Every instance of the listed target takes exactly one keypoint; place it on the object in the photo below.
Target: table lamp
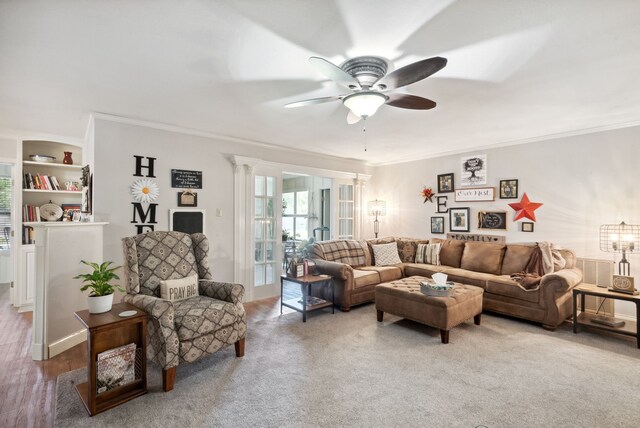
(620, 238)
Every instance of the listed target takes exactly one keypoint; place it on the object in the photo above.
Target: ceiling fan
(367, 78)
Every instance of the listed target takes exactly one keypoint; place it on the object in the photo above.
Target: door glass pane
(346, 192)
(271, 186)
(271, 229)
(258, 274)
(270, 273)
(259, 230)
(259, 185)
(259, 202)
(345, 227)
(271, 251)
(259, 252)
(270, 211)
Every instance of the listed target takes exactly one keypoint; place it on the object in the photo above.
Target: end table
(108, 331)
(307, 303)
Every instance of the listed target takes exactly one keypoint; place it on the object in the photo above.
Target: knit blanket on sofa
(343, 251)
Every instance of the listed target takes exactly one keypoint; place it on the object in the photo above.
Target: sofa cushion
(376, 241)
(505, 286)
(428, 253)
(450, 251)
(362, 278)
(483, 257)
(201, 315)
(386, 254)
(407, 248)
(470, 277)
(341, 250)
(419, 269)
(516, 258)
(387, 273)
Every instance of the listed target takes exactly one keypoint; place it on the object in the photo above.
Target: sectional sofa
(488, 265)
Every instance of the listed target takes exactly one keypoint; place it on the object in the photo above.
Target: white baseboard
(67, 342)
(25, 308)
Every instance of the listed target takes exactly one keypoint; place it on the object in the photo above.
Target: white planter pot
(100, 304)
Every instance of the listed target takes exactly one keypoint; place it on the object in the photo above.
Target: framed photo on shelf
(437, 224)
(509, 189)
(496, 220)
(526, 226)
(445, 183)
(459, 219)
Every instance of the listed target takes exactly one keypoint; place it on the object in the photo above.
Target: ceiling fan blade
(313, 101)
(411, 73)
(352, 118)
(335, 73)
(412, 102)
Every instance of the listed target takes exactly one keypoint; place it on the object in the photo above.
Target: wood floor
(27, 387)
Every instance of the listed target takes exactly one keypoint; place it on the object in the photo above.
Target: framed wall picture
(187, 199)
(509, 189)
(459, 219)
(437, 224)
(496, 220)
(474, 170)
(527, 226)
(476, 194)
(187, 221)
(445, 183)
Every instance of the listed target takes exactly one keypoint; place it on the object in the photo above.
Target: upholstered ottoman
(404, 298)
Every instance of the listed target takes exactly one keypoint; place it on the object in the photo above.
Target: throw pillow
(386, 254)
(428, 253)
(179, 289)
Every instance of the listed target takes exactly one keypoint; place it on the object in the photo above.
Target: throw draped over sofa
(186, 330)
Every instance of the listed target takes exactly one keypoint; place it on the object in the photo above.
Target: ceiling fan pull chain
(364, 130)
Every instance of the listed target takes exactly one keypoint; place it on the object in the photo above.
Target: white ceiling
(518, 69)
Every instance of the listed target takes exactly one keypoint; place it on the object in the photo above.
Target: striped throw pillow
(428, 253)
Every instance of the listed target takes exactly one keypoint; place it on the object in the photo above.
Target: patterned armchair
(186, 330)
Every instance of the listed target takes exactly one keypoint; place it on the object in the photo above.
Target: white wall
(583, 181)
(116, 144)
(8, 148)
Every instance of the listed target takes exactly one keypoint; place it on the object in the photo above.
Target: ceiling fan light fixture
(365, 103)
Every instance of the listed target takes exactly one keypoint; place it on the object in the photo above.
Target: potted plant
(101, 295)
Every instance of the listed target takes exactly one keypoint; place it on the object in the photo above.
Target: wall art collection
(473, 189)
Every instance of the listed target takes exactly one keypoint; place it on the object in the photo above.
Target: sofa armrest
(232, 293)
(162, 337)
(562, 280)
(337, 270)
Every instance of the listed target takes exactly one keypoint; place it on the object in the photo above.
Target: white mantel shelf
(63, 223)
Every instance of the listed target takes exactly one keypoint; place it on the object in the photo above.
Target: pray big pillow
(179, 289)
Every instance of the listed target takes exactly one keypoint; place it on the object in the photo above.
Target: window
(295, 213)
(5, 211)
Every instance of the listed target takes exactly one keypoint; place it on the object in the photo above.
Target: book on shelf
(312, 300)
(116, 367)
(30, 213)
(27, 235)
(40, 182)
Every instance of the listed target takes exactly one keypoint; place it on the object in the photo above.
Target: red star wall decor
(525, 208)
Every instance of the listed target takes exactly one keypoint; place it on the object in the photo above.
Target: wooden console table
(109, 331)
(583, 318)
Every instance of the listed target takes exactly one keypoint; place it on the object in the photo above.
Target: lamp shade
(616, 238)
(364, 104)
(377, 207)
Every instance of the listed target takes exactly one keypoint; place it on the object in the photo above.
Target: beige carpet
(349, 370)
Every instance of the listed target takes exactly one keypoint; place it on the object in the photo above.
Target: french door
(267, 233)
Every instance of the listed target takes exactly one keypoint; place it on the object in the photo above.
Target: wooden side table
(105, 332)
(583, 318)
(305, 305)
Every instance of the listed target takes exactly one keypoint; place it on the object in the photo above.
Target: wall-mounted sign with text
(184, 179)
(476, 194)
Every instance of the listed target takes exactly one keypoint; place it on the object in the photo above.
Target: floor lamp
(377, 208)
